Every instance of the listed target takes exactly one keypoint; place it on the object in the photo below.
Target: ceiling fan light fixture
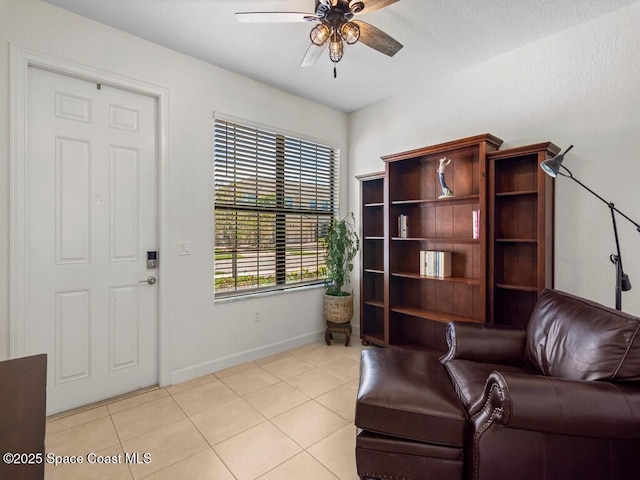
(350, 32)
(335, 27)
(336, 49)
(320, 34)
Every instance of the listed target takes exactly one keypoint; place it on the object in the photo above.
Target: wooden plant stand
(332, 328)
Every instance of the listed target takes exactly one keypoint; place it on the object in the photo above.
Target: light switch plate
(184, 247)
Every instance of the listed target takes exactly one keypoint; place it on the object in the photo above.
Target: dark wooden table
(22, 417)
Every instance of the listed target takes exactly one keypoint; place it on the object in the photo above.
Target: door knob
(151, 280)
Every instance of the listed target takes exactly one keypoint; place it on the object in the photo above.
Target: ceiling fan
(335, 27)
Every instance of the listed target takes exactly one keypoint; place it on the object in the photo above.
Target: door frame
(20, 60)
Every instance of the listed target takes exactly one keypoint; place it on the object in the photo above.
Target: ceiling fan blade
(371, 5)
(275, 17)
(313, 53)
(378, 40)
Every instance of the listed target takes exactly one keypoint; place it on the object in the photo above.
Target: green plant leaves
(342, 246)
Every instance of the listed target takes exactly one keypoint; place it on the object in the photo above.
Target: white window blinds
(274, 198)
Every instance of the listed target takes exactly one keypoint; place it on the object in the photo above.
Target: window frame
(321, 206)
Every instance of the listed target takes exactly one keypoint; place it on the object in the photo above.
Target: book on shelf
(434, 263)
(476, 224)
(403, 229)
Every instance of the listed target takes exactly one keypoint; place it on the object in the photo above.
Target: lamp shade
(552, 166)
(336, 48)
(320, 34)
(350, 32)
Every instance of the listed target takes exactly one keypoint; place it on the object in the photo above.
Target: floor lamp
(552, 168)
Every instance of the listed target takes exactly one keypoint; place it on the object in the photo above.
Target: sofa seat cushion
(570, 337)
(469, 378)
(408, 394)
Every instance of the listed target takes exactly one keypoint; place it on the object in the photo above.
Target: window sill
(269, 293)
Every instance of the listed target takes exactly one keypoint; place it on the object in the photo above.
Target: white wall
(580, 87)
(577, 87)
(203, 336)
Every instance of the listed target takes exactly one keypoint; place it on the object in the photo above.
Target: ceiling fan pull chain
(335, 74)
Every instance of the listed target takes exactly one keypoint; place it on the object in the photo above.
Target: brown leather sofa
(559, 400)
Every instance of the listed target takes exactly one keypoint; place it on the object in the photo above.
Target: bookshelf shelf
(517, 192)
(438, 240)
(376, 340)
(463, 280)
(378, 304)
(516, 240)
(513, 286)
(434, 315)
(435, 201)
(373, 270)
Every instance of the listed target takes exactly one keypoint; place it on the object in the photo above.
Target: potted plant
(342, 244)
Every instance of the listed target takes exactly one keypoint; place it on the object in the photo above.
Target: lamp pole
(552, 168)
(617, 261)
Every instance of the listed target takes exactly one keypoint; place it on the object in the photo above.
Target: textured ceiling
(439, 37)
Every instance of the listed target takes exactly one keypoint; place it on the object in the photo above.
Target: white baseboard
(215, 365)
(355, 331)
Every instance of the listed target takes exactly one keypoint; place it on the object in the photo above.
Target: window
(275, 195)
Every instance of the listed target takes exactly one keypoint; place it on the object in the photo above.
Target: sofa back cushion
(570, 337)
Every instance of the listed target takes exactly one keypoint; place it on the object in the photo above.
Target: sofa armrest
(560, 406)
(485, 343)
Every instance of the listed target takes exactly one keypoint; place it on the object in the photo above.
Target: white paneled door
(91, 217)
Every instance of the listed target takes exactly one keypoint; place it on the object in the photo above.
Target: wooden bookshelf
(419, 307)
(521, 198)
(497, 272)
(372, 284)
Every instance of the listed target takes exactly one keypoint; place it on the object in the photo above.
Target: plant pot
(338, 309)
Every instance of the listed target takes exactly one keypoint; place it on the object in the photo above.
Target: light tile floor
(284, 417)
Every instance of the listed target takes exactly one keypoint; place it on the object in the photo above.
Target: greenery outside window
(275, 196)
